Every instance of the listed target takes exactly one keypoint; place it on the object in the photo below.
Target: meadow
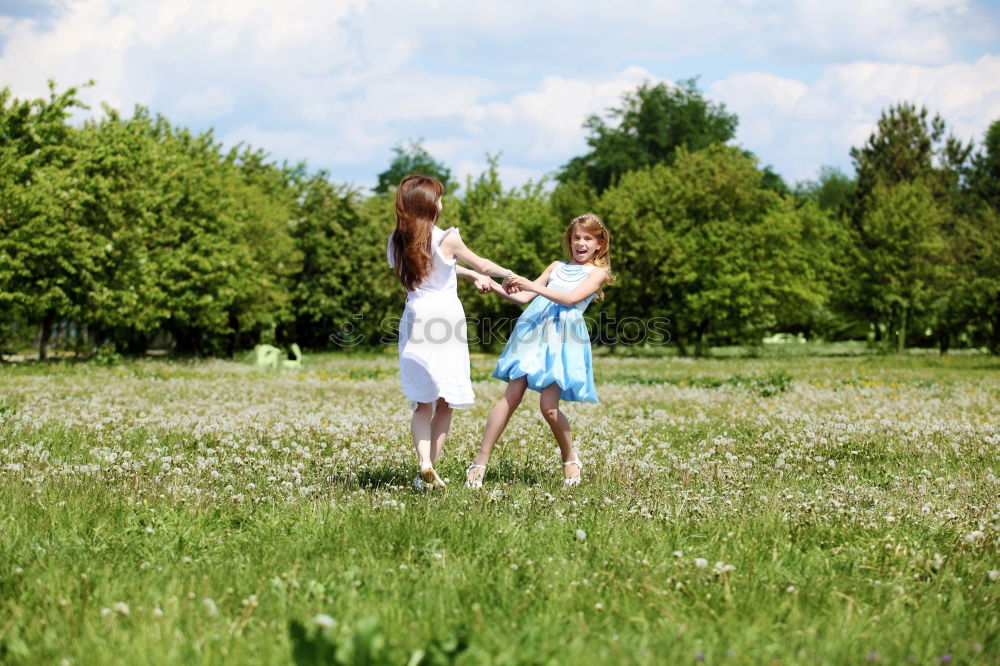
(797, 510)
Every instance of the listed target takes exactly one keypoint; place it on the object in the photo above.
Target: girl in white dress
(433, 346)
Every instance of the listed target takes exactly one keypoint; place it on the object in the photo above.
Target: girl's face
(583, 245)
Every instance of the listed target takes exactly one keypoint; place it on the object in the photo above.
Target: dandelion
(324, 621)
(580, 535)
(105, 611)
(210, 607)
(994, 575)
(157, 612)
(974, 536)
(700, 562)
(121, 608)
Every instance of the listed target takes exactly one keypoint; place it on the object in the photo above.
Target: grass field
(735, 511)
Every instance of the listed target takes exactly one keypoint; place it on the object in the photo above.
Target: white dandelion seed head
(324, 621)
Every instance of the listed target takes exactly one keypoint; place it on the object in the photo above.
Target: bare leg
(420, 428)
(549, 404)
(497, 421)
(439, 428)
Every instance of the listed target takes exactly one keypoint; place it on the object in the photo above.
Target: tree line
(134, 232)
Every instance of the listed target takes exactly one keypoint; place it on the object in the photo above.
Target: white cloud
(545, 123)
(790, 124)
(339, 83)
(211, 102)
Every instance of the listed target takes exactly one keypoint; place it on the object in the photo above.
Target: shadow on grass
(376, 478)
(515, 471)
(384, 477)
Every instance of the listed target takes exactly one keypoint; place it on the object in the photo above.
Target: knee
(442, 405)
(513, 400)
(551, 414)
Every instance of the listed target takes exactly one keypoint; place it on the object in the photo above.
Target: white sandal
(571, 481)
(429, 478)
(474, 483)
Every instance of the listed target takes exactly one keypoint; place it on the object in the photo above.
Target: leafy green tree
(516, 228)
(704, 243)
(902, 254)
(344, 288)
(43, 251)
(900, 150)
(222, 255)
(653, 122)
(411, 159)
(573, 198)
(967, 309)
(911, 212)
(985, 176)
(268, 212)
(832, 190)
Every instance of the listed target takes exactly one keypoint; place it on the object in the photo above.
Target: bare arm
(482, 282)
(590, 286)
(452, 246)
(520, 298)
(523, 296)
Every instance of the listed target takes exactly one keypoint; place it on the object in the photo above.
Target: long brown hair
(416, 215)
(594, 226)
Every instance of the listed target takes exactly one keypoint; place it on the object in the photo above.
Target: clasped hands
(512, 284)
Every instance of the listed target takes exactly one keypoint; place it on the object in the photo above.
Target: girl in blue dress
(549, 349)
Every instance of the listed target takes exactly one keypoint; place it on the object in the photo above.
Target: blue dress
(551, 343)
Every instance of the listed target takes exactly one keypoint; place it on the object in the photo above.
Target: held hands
(482, 283)
(513, 284)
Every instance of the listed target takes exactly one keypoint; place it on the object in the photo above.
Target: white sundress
(433, 342)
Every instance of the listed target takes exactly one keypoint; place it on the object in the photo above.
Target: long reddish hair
(416, 214)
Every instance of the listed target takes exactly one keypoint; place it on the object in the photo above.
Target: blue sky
(340, 83)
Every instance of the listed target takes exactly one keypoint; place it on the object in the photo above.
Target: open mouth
(581, 253)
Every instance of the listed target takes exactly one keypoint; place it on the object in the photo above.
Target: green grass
(845, 511)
